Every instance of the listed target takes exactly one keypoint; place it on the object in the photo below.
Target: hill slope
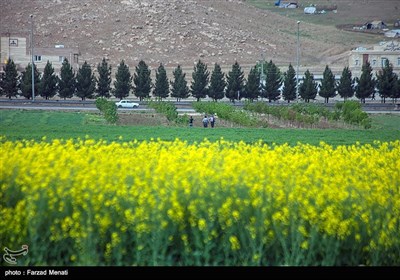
(176, 31)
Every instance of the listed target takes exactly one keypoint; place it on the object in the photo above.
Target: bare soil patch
(274, 122)
(155, 119)
(143, 119)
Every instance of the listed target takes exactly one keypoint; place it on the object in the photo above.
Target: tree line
(264, 80)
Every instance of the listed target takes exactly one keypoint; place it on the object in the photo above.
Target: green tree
(289, 85)
(252, 87)
(2, 77)
(85, 82)
(366, 83)
(104, 80)
(217, 83)
(235, 80)
(161, 87)
(179, 85)
(199, 83)
(10, 80)
(26, 81)
(142, 81)
(273, 82)
(308, 89)
(345, 87)
(396, 93)
(123, 81)
(48, 83)
(67, 81)
(327, 89)
(386, 81)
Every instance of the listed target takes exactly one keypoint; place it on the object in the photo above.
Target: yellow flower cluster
(118, 199)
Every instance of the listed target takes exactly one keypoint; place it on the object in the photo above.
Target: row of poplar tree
(264, 81)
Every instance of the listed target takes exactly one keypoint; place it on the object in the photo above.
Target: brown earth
(145, 119)
(183, 31)
(155, 119)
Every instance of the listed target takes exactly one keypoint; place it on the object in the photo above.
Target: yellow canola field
(89, 202)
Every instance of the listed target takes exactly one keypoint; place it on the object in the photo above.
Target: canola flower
(86, 202)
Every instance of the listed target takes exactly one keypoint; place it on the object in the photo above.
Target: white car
(126, 104)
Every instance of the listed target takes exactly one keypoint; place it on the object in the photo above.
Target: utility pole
(262, 75)
(33, 64)
(298, 58)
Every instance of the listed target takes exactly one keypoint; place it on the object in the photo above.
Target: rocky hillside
(173, 31)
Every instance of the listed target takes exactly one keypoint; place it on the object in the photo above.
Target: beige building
(18, 49)
(376, 56)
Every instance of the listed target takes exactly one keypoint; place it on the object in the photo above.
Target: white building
(376, 56)
(18, 49)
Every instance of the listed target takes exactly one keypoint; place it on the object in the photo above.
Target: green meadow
(36, 124)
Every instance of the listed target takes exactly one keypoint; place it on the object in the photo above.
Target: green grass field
(31, 124)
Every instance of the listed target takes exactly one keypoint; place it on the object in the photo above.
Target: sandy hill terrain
(177, 31)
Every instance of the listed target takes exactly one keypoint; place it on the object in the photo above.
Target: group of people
(206, 120)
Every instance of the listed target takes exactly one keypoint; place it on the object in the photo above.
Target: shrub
(108, 109)
(226, 112)
(166, 108)
(352, 113)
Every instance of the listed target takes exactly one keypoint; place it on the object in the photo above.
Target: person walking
(205, 121)
(212, 121)
(191, 121)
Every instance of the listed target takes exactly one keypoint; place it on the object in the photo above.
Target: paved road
(81, 108)
(182, 107)
(383, 112)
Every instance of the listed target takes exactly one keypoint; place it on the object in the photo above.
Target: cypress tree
(179, 85)
(345, 86)
(26, 81)
(386, 81)
(48, 83)
(161, 87)
(273, 82)
(217, 83)
(10, 80)
(366, 83)
(2, 77)
(67, 82)
(235, 81)
(86, 82)
(104, 80)
(327, 88)
(123, 81)
(289, 85)
(142, 81)
(396, 93)
(199, 83)
(252, 88)
(309, 88)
